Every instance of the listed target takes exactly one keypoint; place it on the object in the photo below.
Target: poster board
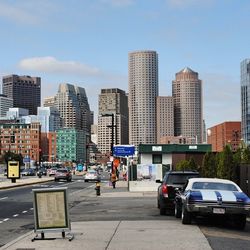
(51, 209)
(13, 170)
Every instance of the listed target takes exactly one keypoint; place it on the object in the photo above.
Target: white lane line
(6, 219)
(3, 198)
(24, 212)
(31, 208)
(15, 215)
(1, 221)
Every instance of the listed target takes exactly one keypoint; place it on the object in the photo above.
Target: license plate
(218, 210)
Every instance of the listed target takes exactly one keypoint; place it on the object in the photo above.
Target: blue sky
(86, 42)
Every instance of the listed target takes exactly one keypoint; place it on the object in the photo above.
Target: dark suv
(172, 181)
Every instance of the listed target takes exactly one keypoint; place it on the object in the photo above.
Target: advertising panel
(13, 170)
(51, 209)
(146, 172)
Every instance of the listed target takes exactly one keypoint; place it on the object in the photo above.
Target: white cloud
(118, 3)
(50, 64)
(16, 13)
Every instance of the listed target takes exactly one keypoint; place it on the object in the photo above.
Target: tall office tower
(113, 119)
(24, 90)
(5, 104)
(164, 117)
(72, 104)
(49, 101)
(187, 95)
(143, 90)
(245, 100)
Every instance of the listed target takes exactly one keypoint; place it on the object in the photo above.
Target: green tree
(187, 165)
(182, 165)
(10, 156)
(225, 164)
(192, 164)
(209, 165)
(245, 155)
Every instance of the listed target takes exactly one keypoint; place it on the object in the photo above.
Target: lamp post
(112, 126)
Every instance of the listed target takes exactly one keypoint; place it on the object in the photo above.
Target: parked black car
(42, 171)
(172, 181)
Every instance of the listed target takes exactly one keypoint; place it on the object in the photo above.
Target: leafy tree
(192, 164)
(225, 164)
(182, 165)
(10, 156)
(187, 165)
(245, 155)
(209, 165)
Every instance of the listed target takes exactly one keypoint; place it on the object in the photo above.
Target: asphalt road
(16, 213)
(16, 207)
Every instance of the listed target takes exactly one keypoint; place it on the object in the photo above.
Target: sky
(86, 43)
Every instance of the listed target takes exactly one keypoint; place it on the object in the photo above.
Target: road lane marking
(31, 208)
(3, 198)
(6, 219)
(15, 215)
(24, 212)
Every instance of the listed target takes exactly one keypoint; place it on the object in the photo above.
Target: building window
(156, 159)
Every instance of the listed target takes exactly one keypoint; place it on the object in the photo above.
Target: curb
(7, 245)
(23, 184)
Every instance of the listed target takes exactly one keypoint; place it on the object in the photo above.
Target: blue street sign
(26, 159)
(123, 150)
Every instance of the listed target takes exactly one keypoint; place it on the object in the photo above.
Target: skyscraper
(245, 100)
(165, 117)
(143, 90)
(24, 90)
(115, 102)
(187, 95)
(5, 104)
(72, 104)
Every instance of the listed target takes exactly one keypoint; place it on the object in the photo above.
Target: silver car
(92, 175)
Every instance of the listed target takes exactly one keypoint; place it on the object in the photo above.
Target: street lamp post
(112, 126)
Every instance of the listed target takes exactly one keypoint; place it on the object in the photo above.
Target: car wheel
(185, 216)
(162, 211)
(239, 221)
(177, 211)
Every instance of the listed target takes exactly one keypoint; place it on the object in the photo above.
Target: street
(16, 217)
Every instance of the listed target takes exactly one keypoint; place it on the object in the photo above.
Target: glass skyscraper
(245, 100)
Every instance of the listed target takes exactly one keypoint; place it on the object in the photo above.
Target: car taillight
(165, 190)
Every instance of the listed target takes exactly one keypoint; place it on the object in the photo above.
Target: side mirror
(158, 181)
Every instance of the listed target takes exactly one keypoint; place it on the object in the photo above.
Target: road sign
(26, 159)
(124, 150)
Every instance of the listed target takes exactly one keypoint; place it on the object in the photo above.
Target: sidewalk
(113, 235)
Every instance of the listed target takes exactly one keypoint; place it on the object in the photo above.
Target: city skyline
(87, 44)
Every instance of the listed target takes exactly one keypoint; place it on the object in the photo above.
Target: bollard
(98, 188)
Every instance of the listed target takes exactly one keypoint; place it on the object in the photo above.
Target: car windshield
(179, 178)
(214, 186)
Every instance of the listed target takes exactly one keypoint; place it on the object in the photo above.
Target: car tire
(177, 211)
(239, 221)
(162, 211)
(186, 216)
